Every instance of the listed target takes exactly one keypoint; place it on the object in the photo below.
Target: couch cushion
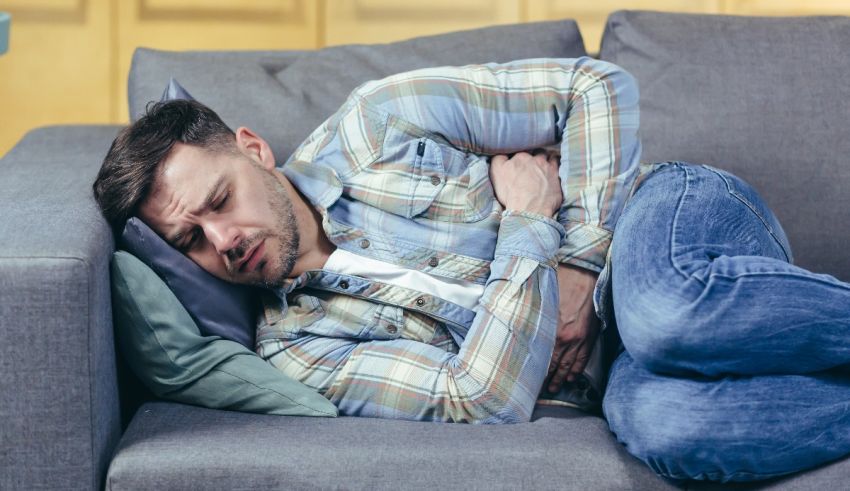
(165, 349)
(765, 98)
(171, 446)
(219, 308)
(284, 96)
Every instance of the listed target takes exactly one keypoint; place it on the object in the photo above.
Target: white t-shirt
(463, 293)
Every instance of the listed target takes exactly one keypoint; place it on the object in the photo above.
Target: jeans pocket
(749, 197)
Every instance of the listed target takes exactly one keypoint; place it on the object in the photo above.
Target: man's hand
(578, 325)
(527, 182)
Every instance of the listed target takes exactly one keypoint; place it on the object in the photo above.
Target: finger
(563, 368)
(582, 357)
(568, 360)
(579, 364)
(498, 159)
(557, 353)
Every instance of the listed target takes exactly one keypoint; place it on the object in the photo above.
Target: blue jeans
(735, 362)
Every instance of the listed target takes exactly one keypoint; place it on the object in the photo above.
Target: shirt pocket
(387, 323)
(418, 176)
(357, 318)
(467, 194)
(288, 320)
(407, 175)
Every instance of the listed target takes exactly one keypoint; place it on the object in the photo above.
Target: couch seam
(89, 292)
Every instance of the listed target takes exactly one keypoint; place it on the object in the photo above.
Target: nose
(222, 235)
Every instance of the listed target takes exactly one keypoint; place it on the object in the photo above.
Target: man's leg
(702, 283)
(719, 330)
(728, 429)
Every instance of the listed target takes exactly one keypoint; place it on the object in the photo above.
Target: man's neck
(315, 247)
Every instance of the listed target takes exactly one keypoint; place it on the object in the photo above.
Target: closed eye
(190, 244)
(218, 206)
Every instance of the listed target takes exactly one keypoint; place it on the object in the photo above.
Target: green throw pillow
(165, 349)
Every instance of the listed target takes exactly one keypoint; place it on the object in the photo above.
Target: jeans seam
(767, 226)
(752, 208)
(775, 273)
(674, 232)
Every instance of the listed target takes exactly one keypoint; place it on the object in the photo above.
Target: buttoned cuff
(584, 246)
(529, 235)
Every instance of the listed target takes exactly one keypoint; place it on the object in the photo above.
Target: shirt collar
(320, 184)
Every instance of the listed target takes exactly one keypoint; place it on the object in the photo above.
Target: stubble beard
(285, 231)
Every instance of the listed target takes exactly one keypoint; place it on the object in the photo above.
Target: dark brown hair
(133, 161)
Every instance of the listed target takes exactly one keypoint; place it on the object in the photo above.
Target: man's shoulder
(348, 141)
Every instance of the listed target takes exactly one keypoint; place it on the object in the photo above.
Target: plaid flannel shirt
(400, 174)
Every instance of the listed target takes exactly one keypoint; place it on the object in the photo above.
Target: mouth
(252, 258)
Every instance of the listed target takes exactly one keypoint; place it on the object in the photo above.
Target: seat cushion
(173, 446)
(765, 98)
(285, 95)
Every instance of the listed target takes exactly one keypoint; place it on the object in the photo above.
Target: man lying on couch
(429, 268)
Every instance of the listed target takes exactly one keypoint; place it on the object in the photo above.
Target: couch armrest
(59, 413)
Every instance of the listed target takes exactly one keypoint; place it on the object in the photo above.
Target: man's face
(228, 212)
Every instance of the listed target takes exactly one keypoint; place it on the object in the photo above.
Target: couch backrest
(765, 98)
(285, 95)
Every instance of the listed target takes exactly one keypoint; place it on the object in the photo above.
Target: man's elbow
(498, 411)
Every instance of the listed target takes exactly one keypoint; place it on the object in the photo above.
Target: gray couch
(767, 99)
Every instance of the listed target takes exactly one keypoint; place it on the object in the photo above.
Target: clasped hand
(530, 182)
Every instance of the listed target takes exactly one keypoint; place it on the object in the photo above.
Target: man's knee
(663, 434)
(656, 328)
(670, 450)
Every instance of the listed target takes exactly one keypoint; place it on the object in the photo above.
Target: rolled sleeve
(529, 235)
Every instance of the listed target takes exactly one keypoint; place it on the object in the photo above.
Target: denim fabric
(735, 360)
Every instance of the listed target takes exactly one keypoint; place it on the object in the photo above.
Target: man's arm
(496, 375)
(588, 109)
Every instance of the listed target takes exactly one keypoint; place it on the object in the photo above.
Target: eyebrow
(207, 203)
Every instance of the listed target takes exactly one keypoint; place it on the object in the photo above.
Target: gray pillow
(765, 98)
(163, 347)
(285, 95)
(218, 308)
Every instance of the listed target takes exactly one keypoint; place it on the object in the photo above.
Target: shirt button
(420, 301)
(343, 284)
(433, 262)
(435, 180)
(364, 243)
(392, 329)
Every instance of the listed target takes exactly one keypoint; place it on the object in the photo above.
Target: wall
(68, 59)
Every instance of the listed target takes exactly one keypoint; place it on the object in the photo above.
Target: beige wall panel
(209, 25)
(57, 67)
(591, 16)
(381, 21)
(788, 7)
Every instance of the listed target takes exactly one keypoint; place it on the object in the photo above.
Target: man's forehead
(186, 168)
(187, 179)
(187, 162)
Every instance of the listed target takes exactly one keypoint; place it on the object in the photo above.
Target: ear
(254, 147)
